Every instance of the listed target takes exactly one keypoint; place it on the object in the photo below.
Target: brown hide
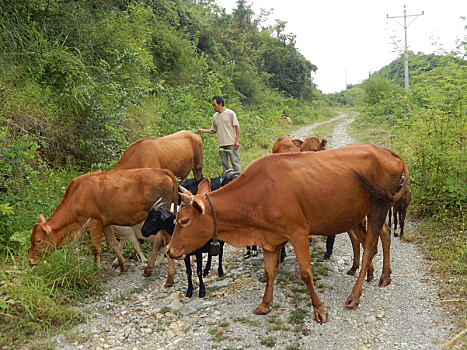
(180, 153)
(287, 144)
(120, 197)
(286, 197)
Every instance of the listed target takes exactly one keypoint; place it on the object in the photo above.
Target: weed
(268, 341)
(246, 321)
(297, 316)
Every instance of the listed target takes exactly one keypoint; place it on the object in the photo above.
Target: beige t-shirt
(224, 125)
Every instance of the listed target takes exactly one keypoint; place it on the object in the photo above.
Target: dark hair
(219, 100)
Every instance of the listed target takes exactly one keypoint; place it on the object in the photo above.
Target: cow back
(180, 153)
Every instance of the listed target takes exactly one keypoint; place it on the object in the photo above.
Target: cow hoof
(124, 268)
(202, 294)
(370, 278)
(321, 315)
(168, 283)
(350, 272)
(352, 303)
(189, 294)
(261, 311)
(262, 279)
(327, 256)
(383, 282)
(147, 273)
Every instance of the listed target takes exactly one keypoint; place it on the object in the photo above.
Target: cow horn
(158, 204)
(183, 189)
(186, 198)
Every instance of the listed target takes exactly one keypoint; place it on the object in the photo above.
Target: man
(225, 125)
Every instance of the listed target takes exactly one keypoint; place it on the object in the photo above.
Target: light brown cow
(292, 201)
(180, 153)
(288, 144)
(101, 199)
(399, 209)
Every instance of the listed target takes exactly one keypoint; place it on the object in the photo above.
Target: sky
(349, 39)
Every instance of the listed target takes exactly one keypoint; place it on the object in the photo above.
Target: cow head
(41, 240)
(314, 144)
(45, 239)
(159, 218)
(194, 224)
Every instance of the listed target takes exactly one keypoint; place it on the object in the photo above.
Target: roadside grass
(37, 301)
(443, 244)
(445, 247)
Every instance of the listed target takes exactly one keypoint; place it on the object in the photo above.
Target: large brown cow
(180, 153)
(288, 144)
(283, 198)
(101, 199)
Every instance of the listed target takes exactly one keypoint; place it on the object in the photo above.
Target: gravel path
(138, 313)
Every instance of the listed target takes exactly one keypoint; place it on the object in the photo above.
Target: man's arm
(207, 131)
(237, 136)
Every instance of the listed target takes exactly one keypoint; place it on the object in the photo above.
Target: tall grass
(37, 301)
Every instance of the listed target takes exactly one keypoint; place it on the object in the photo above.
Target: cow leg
(121, 244)
(208, 265)
(395, 212)
(112, 242)
(271, 260)
(329, 245)
(302, 253)
(189, 291)
(157, 243)
(220, 270)
(385, 236)
(134, 241)
(403, 213)
(376, 219)
(199, 272)
(356, 252)
(95, 233)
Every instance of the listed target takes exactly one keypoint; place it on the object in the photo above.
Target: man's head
(218, 104)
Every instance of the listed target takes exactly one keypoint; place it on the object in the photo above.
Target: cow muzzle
(171, 255)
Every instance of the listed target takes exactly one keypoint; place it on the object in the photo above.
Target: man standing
(225, 125)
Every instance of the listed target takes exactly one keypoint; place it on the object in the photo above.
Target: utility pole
(406, 55)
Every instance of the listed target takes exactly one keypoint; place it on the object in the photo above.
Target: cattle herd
(299, 190)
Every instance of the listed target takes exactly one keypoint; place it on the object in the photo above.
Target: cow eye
(183, 222)
(38, 241)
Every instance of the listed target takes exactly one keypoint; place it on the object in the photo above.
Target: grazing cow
(101, 199)
(180, 153)
(399, 209)
(288, 144)
(293, 201)
(161, 219)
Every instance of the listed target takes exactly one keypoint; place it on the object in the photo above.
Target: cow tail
(377, 193)
(403, 187)
(174, 191)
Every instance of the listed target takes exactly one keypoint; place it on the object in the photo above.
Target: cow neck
(214, 215)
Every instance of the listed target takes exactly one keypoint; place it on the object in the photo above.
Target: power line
(406, 55)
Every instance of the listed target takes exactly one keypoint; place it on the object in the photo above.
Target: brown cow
(101, 199)
(293, 201)
(180, 153)
(399, 209)
(288, 144)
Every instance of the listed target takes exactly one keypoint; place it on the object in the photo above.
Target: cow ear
(198, 205)
(46, 228)
(204, 186)
(297, 142)
(323, 143)
(41, 218)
